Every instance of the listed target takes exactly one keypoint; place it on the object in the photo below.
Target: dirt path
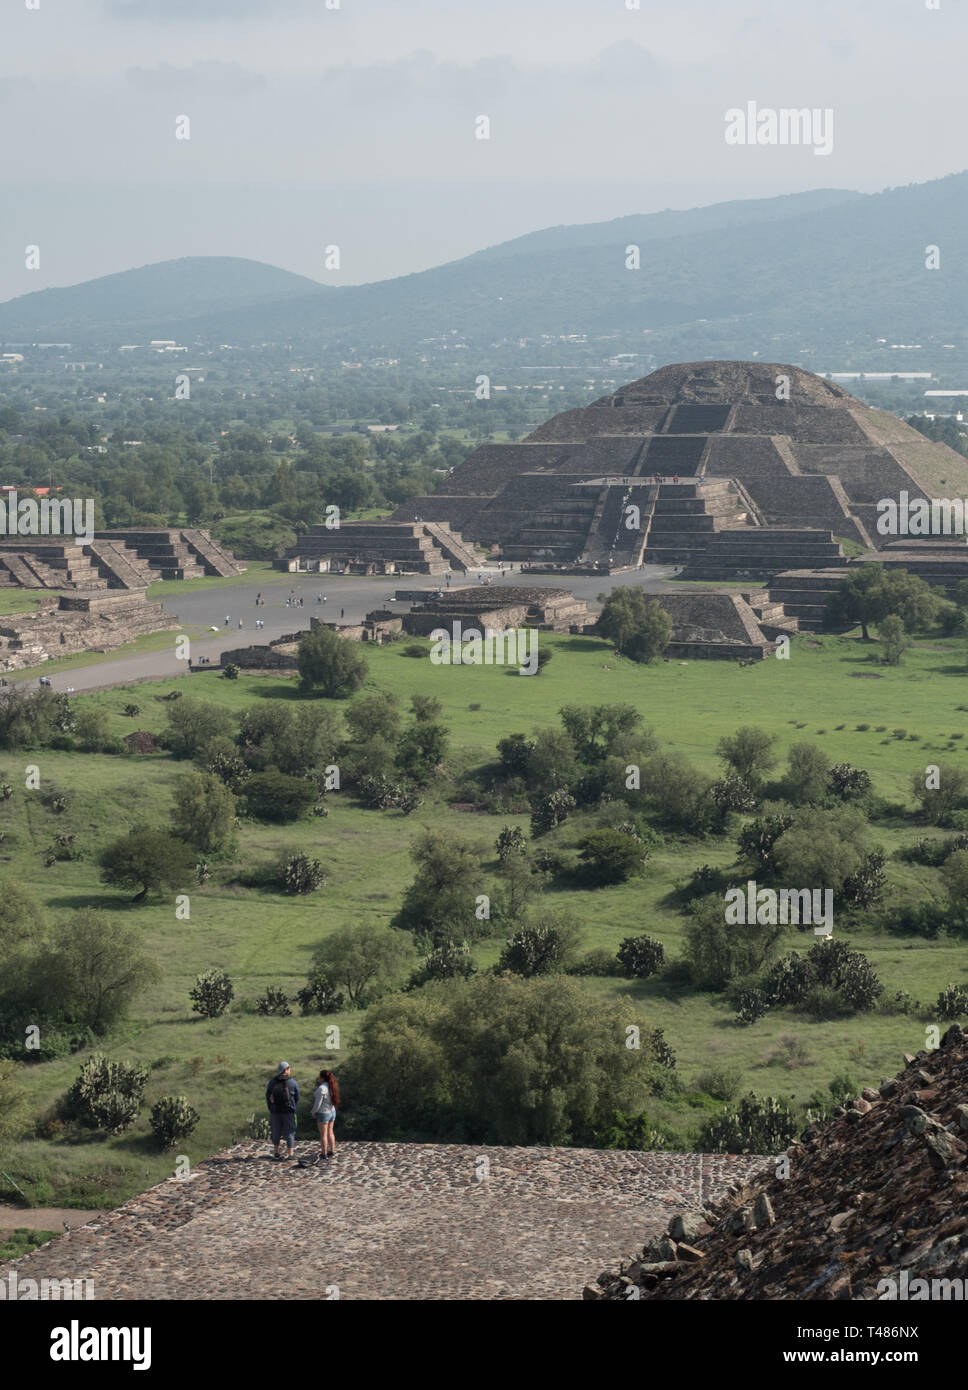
(43, 1218)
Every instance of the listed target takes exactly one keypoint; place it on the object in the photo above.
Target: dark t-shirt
(293, 1086)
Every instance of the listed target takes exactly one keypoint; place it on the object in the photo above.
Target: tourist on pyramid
(325, 1101)
(282, 1097)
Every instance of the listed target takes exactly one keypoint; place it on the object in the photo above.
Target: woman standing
(325, 1101)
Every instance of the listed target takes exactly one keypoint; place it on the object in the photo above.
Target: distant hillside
(826, 266)
(149, 301)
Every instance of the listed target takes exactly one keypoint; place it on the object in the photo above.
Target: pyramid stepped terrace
(729, 469)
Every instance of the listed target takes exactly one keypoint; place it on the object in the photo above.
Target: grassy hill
(889, 721)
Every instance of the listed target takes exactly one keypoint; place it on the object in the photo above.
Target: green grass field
(821, 694)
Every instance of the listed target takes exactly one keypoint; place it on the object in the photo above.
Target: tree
(367, 959)
(374, 715)
(636, 625)
(204, 814)
(611, 856)
(678, 793)
(90, 970)
(498, 1059)
(822, 848)
(717, 952)
(191, 723)
(442, 901)
(870, 593)
(551, 763)
(941, 792)
(272, 796)
(425, 708)
(331, 664)
(954, 875)
(807, 775)
(595, 729)
(749, 752)
(421, 750)
(894, 639)
(148, 860)
(91, 728)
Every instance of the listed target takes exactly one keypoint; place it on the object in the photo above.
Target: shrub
(543, 948)
(204, 812)
(552, 811)
(498, 1059)
(723, 1083)
(417, 652)
(211, 994)
(866, 885)
(106, 1095)
(231, 672)
(611, 856)
(172, 1118)
(750, 1005)
(318, 996)
(641, 956)
(131, 710)
(752, 1127)
(451, 961)
(510, 841)
(599, 961)
(850, 972)
(952, 1002)
(274, 1002)
(273, 796)
(300, 874)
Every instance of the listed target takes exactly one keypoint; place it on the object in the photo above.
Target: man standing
(282, 1097)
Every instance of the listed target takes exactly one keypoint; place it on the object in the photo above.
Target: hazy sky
(356, 125)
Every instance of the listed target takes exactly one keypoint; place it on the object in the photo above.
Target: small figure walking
(342, 611)
(227, 620)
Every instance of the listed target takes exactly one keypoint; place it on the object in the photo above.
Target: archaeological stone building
(744, 470)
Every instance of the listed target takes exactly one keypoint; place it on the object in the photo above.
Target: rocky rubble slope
(879, 1190)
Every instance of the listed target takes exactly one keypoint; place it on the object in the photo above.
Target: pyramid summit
(732, 468)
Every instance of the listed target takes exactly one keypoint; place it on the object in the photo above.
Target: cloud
(221, 79)
(208, 9)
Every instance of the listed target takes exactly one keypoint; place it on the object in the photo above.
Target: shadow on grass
(101, 903)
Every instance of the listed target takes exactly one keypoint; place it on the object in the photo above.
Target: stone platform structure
(726, 477)
(97, 621)
(714, 624)
(380, 547)
(125, 559)
(386, 1222)
(480, 607)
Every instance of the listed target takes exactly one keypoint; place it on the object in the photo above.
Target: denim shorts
(325, 1117)
(283, 1127)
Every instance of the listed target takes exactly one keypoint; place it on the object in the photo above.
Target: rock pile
(879, 1193)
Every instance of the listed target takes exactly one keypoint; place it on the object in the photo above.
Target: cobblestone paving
(385, 1221)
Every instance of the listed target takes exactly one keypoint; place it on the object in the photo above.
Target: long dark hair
(333, 1085)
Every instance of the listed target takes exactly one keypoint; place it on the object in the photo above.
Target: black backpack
(280, 1095)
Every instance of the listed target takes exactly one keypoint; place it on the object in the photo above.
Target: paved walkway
(357, 595)
(386, 1221)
